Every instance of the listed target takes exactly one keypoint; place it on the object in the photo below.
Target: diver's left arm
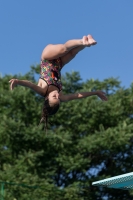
(80, 95)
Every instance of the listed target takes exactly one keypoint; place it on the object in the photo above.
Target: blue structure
(124, 182)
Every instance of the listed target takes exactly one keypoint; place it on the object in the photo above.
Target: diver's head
(51, 106)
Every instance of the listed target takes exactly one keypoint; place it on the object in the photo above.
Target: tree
(87, 140)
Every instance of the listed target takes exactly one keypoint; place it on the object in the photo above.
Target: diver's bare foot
(88, 41)
(91, 40)
(85, 41)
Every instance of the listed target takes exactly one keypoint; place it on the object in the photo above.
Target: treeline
(87, 140)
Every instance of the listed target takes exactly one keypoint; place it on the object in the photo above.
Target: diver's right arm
(25, 83)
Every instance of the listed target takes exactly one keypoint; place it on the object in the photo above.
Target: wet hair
(48, 109)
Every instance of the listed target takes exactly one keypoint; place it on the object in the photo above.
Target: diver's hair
(48, 110)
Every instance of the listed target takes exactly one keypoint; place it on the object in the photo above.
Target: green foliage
(88, 140)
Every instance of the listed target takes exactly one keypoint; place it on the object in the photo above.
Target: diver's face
(54, 97)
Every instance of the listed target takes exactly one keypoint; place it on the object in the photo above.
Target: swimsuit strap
(46, 92)
(47, 87)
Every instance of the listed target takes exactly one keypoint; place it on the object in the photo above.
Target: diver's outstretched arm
(25, 83)
(80, 95)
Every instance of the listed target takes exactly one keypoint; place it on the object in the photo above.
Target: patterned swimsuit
(50, 72)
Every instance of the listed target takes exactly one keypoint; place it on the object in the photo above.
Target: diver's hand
(13, 83)
(101, 95)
